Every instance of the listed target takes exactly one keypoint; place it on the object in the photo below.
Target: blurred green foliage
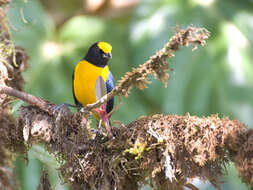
(214, 79)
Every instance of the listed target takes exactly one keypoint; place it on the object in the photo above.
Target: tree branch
(157, 64)
(28, 98)
(170, 149)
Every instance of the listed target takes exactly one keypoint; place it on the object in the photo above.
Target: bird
(92, 79)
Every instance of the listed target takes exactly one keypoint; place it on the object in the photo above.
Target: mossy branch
(168, 150)
(157, 65)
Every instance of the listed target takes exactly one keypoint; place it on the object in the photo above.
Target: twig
(157, 65)
(30, 99)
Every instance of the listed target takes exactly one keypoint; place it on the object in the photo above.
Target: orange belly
(84, 81)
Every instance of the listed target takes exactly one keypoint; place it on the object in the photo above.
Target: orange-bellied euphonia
(88, 71)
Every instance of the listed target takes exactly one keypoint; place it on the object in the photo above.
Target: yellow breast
(84, 81)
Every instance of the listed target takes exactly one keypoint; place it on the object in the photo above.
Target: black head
(99, 54)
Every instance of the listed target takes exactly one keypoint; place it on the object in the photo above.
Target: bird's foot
(105, 119)
(56, 108)
(82, 110)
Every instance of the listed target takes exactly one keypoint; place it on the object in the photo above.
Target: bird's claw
(56, 108)
(59, 106)
(105, 119)
(82, 110)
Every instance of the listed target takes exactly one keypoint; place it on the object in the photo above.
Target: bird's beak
(107, 55)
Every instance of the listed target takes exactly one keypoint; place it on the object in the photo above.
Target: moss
(12, 63)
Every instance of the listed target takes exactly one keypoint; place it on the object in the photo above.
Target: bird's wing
(73, 92)
(100, 88)
(109, 87)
